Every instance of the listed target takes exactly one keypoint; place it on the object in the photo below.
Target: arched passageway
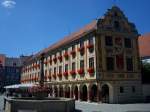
(76, 93)
(50, 91)
(93, 93)
(61, 92)
(105, 94)
(67, 92)
(83, 93)
(55, 92)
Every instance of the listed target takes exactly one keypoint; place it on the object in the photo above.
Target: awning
(17, 86)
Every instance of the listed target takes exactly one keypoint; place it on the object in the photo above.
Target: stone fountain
(39, 103)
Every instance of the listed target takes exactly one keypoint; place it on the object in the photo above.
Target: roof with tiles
(144, 45)
(72, 37)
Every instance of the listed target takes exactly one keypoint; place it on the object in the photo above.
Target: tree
(145, 72)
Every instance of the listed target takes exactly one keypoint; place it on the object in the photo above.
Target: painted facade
(99, 63)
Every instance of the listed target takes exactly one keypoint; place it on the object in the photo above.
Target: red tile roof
(74, 36)
(144, 45)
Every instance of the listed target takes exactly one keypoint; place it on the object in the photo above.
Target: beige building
(98, 63)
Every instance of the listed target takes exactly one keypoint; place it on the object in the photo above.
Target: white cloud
(8, 3)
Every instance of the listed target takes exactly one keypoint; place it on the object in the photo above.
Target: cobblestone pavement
(95, 107)
(1, 103)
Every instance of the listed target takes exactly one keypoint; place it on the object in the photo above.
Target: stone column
(79, 95)
(89, 94)
(58, 93)
(99, 93)
(63, 91)
(71, 92)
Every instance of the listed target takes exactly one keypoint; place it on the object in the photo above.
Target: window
(120, 61)
(73, 47)
(45, 72)
(115, 14)
(73, 66)
(91, 62)
(14, 64)
(91, 44)
(82, 64)
(127, 43)
(118, 41)
(129, 63)
(121, 89)
(108, 41)
(49, 71)
(60, 53)
(91, 40)
(66, 50)
(133, 89)
(66, 67)
(116, 25)
(60, 69)
(110, 63)
(81, 44)
(54, 70)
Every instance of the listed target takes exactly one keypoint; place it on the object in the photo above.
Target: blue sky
(27, 26)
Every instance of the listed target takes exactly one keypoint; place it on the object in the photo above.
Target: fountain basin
(33, 104)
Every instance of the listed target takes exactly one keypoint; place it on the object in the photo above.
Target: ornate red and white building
(98, 63)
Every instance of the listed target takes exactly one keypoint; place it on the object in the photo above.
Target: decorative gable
(115, 20)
